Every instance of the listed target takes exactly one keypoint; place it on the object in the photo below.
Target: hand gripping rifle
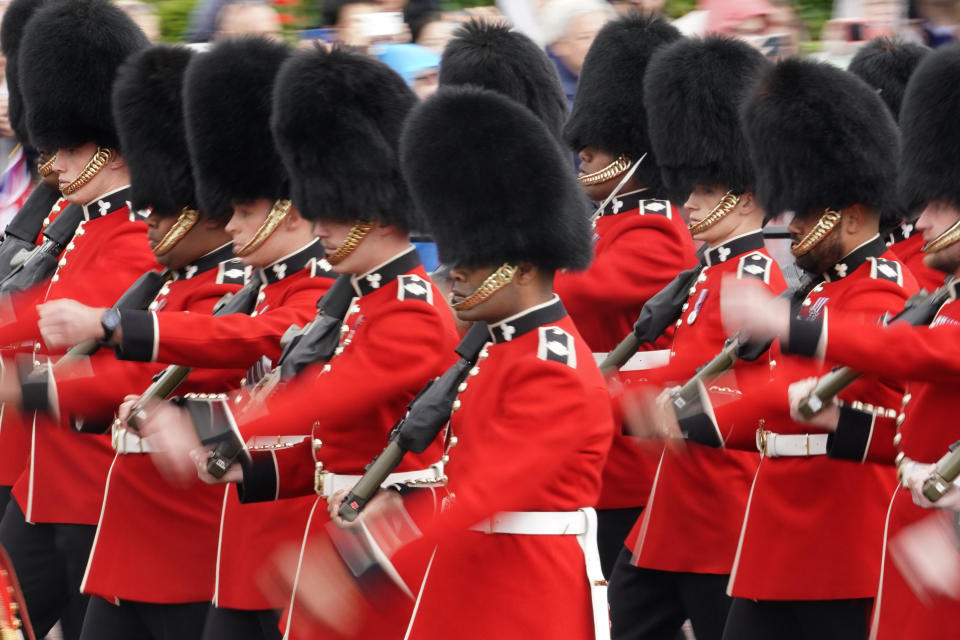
(919, 310)
(426, 415)
(21, 233)
(40, 263)
(943, 475)
(243, 301)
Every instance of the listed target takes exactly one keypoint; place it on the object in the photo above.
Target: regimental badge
(556, 345)
(755, 265)
(655, 207)
(413, 287)
(231, 271)
(883, 269)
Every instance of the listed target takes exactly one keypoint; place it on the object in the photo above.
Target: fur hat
(11, 33)
(930, 164)
(608, 108)
(68, 59)
(693, 90)
(819, 137)
(337, 118)
(227, 99)
(148, 109)
(494, 57)
(493, 183)
(886, 64)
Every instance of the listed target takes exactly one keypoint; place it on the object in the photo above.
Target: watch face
(110, 321)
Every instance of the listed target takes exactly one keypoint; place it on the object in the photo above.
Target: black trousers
(143, 620)
(4, 499)
(798, 620)
(646, 604)
(237, 624)
(613, 525)
(49, 560)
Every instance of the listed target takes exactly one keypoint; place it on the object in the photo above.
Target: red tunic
(533, 433)
(637, 252)
(695, 511)
(175, 562)
(64, 479)
(906, 245)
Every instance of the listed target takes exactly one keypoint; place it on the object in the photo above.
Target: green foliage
(174, 16)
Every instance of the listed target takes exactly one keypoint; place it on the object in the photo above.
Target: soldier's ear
(117, 161)
(526, 273)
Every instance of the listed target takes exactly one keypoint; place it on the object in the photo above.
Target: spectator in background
(432, 30)
(212, 19)
(144, 15)
(569, 28)
(418, 66)
(936, 20)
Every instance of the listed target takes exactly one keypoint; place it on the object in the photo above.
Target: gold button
(316, 444)
(686, 305)
(456, 404)
(899, 458)
(462, 387)
(454, 441)
(901, 418)
(897, 438)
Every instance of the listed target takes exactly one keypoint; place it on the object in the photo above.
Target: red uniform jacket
(800, 539)
(64, 479)
(695, 511)
(399, 335)
(929, 357)
(532, 432)
(155, 543)
(906, 245)
(638, 251)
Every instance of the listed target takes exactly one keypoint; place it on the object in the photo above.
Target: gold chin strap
(725, 206)
(944, 240)
(357, 233)
(613, 170)
(815, 236)
(494, 282)
(277, 213)
(97, 162)
(185, 221)
(46, 168)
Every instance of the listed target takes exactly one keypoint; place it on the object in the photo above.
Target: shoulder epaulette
(413, 287)
(883, 269)
(655, 207)
(556, 345)
(231, 271)
(755, 265)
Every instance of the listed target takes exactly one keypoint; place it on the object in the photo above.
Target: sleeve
(865, 434)
(276, 474)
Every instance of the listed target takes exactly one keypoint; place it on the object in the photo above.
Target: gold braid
(185, 221)
(944, 240)
(97, 162)
(609, 172)
(46, 168)
(493, 283)
(357, 233)
(815, 236)
(725, 206)
(276, 215)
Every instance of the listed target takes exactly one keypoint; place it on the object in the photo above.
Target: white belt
(326, 484)
(583, 524)
(641, 360)
(778, 445)
(126, 442)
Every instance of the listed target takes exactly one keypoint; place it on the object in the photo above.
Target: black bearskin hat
(493, 183)
(227, 99)
(68, 59)
(337, 118)
(148, 109)
(11, 32)
(693, 90)
(930, 162)
(819, 137)
(494, 57)
(886, 64)
(608, 108)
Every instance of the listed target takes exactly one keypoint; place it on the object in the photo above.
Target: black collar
(294, 262)
(527, 320)
(901, 233)
(734, 247)
(386, 272)
(205, 263)
(107, 204)
(953, 286)
(873, 248)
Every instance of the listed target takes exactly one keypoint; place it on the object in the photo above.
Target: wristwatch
(110, 320)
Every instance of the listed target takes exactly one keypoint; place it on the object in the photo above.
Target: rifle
(920, 310)
(40, 263)
(943, 475)
(426, 415)
(21, 233)
(243, 301)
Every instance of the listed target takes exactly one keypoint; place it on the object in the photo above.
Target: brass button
(897, 438)
(316, 444)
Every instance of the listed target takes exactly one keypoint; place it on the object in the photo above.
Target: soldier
(72, 50)
(532, 423)
(823, 145)
(677, 561)
(338, 138)
(886, 65)
(641, 242)
(922, 431)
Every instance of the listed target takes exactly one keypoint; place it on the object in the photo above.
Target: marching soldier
(338, 138)
(677, 561)
(72, 50)
(919, 433)
(823, 145)
(641, 242)
(886, 65)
